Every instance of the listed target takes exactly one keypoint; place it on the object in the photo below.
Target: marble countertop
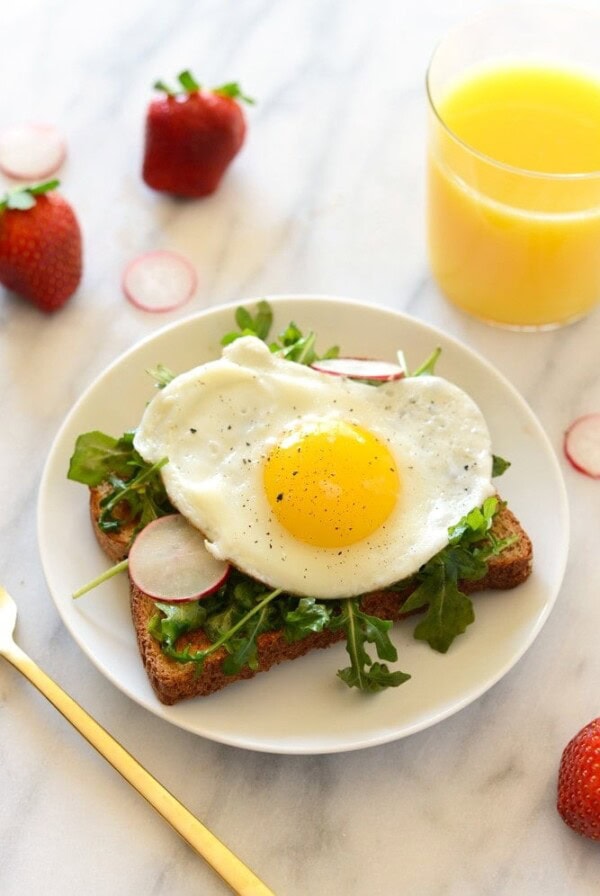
(327, 197)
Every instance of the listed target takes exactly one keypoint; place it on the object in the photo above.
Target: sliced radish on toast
(360, 369)
(582, 445)
(159, 281)
(169, 561)
(31, 151)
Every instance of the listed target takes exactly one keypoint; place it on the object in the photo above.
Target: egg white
(218, 423)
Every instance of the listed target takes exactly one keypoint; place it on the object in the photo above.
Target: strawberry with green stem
(192, 135)
(40, 245)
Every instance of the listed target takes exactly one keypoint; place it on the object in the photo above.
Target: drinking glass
(516, 244)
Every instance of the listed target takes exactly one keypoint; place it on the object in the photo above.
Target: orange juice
(514, 195)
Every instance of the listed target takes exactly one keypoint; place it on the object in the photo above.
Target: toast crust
(173, 681)
(114, 544)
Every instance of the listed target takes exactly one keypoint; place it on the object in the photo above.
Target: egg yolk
(331, 484)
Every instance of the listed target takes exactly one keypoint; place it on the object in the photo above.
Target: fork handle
(240, 878)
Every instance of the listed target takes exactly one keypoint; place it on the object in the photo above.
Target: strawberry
(579, 782)
(192, 136)
(40, 245)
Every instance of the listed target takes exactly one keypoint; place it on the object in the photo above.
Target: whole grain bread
(173, 681)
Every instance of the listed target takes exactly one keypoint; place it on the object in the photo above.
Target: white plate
(302, 707)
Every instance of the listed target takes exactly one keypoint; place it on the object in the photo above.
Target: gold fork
(233, 871)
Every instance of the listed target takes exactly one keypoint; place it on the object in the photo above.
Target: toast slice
(173, 681)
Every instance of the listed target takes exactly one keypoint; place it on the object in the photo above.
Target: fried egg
(313, 483)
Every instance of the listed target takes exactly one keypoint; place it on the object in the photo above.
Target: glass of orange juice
(514, 166)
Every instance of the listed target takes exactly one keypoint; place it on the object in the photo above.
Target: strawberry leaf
(45, 187)
(233, 91)
(160, 85)
(23, 198)
(188, 82)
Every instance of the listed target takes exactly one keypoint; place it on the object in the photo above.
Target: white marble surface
(327, 197)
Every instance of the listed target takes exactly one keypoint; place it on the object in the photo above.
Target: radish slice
(582, 445)
(360, 369)
(169, 561)
(159, 281)
(31, 151)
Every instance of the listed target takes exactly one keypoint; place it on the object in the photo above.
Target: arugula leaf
(233, 619)
(294, 346)
(428, 366)
(239, 640)
(292, 343)
(309, 616)
(97, 455)
(361, 629)
(449, 610)
(144, 495)
(378, 678)
(499, 465)
(121, 566)
(134, 484)
(176, 620)
(243, 649)
(232, 602)
(476, 524)
(258, 325)
(162, 375)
